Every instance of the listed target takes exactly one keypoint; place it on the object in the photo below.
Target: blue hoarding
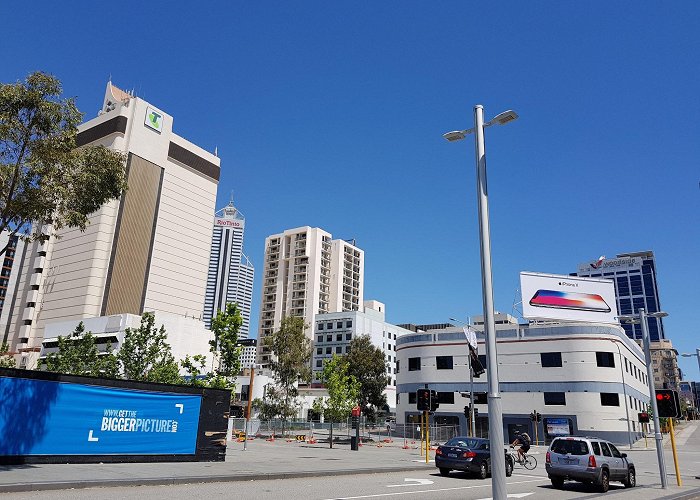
(41, 417)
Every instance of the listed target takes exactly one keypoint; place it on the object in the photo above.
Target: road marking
(423, 461)
(511, 495)
(416, 482)
(92, 438)
(181, 406)
(413, 492)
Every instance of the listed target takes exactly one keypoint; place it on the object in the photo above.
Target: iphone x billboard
(568, 298)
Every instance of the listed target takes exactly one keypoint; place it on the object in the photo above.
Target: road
(420, 484)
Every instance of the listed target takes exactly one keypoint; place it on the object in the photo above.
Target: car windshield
(462, 442)
(572, 446)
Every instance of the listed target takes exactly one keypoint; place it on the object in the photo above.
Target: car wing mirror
(623, 455)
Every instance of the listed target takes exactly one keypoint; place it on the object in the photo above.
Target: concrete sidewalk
(262, 460)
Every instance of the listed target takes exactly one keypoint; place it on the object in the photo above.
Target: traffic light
(667, 403)
(434, 403)
(466, 411)
(476, 412)
(643, 417)
(535, 416)
(423, 399)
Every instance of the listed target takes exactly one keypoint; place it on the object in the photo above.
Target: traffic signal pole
(675, 456)
(652, 395)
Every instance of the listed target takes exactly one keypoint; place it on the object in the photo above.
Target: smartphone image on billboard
(569, 300)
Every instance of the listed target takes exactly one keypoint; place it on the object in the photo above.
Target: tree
(44, 177)
(6, 358)
(291, 351)
(78, 355)
(367, 364)
(145, 355)
(343, 391)
(195, 367)
(225, 348)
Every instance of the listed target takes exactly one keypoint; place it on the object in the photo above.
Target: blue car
(470, 455)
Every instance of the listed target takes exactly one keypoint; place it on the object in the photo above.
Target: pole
(250, 404)
(652, 395)
(675, 455)
(498, 459)
(697, 353)
(427, 438)
(472, 427)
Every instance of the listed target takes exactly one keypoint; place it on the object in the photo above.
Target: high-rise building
(307, 273)
(12, 260)
(146, 251)
(230, 271)
(636, 287)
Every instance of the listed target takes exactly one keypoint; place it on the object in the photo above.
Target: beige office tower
(147, 251)
(307, 273)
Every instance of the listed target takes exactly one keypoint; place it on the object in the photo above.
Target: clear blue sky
(331, 114)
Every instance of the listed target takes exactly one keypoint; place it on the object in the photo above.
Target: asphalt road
(420, 484)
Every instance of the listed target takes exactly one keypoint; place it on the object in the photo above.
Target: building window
(443, 362)
(413, 364)
(339, 350)
(482, 360)
(319, 363)
(320, 339)
(626, 369)
(609, 399)
(411, 398)
(339, 337)
(319, 350)
(329, 338)
(329, 326)
(348, 324)
(397, 366)
(348, 336)
(605, 359)
(328, 350)
(339, 324)
(555, 398)
(550, 359)
(320, 326)
(447, 398)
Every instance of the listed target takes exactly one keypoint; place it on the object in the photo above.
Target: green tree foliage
(343, 391)
(78, 355)
(6, 358)
(195, 367)
(225, 348)
(44, 177)
(291, 351)
(367, 364)
(145, 355)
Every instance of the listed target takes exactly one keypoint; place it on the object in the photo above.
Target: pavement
(265, 460)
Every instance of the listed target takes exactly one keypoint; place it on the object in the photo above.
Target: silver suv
(590, 460)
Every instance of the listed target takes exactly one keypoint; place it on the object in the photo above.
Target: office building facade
(307, 273)
(231, 273)
(584, 379)
(146, 251)
(636, 286)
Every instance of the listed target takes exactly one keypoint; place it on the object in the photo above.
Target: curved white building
(584, 379)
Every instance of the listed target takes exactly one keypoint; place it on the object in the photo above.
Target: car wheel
(631, 479)
(483, 471)
(604, 485)
(557, 482)
(444, 472)
(509, 468)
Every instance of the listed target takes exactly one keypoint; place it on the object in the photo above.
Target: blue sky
(331, 114)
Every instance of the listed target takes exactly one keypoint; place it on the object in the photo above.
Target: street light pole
(652, 395)
(496, 441)
(498, 460)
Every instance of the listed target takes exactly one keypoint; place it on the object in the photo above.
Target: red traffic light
(665, 396)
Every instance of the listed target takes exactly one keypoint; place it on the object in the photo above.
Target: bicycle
(528, 461)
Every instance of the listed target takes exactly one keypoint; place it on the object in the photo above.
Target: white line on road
(416, 482)
(425, 491)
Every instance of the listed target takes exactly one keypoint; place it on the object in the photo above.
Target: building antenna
(216, 151)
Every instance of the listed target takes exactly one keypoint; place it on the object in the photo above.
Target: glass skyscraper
(231, 273)
(636, 286)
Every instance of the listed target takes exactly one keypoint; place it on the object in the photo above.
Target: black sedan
(469, 455)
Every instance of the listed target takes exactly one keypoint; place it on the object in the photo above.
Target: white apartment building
(307, 273)
(333, 333)
(231, 273)
(584, 379)
(147, 251)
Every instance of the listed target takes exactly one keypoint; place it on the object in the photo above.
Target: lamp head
(456, 135)
(659, 314)
(503, 118)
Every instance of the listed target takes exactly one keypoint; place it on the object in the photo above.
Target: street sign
(668, 404)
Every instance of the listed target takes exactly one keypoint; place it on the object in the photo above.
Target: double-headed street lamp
(643, 319)
(498, 460)
(689, 355)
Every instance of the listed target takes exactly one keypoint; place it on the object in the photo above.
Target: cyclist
(522, 439)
